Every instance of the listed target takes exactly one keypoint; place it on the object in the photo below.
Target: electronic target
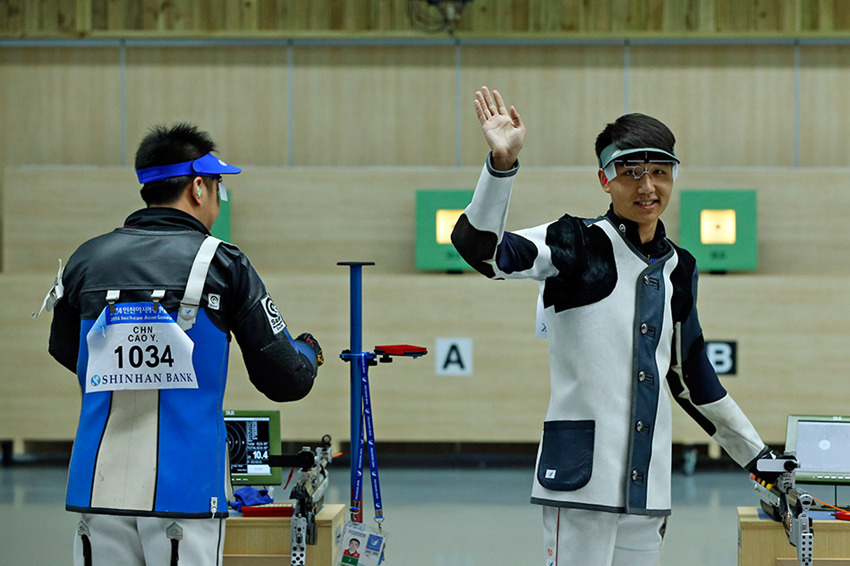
(238, 444)
(252, 437)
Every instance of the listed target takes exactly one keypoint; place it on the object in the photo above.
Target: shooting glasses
(636, 164)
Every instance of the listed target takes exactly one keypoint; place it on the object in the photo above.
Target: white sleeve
(735, 433)
(488, 212)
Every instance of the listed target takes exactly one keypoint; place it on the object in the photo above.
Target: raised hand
(503, 128)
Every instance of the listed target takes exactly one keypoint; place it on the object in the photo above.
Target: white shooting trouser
(595, 538)
(136, 541)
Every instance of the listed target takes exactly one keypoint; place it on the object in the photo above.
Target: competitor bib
(137, 346)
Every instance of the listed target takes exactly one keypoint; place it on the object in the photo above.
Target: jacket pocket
(566, 458)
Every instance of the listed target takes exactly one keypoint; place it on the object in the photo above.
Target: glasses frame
(644, 166)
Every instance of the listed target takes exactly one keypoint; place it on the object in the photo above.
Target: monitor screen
(253, 436)
(822, 446)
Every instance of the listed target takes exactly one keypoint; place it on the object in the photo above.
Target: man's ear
(196, 189)
(603, 180)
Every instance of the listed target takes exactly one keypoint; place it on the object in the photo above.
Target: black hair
(635, 130)
(166, 145)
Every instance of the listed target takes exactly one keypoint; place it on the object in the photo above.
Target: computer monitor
(253, 436)
(822, 446)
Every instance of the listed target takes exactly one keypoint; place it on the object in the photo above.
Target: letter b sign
(723, 356)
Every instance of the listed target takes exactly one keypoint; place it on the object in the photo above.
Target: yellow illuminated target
(717, 226)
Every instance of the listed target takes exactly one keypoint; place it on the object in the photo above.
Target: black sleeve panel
(244, 289)
(274, 366)
(700, 376)
(476, 247)
(698, 373)
(64, 343)
(515, 253)
(584, 257)
(676, 388)
(264, 371)
(566, 239)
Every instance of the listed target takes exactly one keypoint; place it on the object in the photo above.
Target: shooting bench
(763, 542)
(265, 541)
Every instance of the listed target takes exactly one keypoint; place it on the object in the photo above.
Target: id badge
(361, 546)
(138, 346)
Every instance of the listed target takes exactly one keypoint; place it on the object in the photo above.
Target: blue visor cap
(206, 166)
(613, 153)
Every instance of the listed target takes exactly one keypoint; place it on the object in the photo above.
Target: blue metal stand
(361, 407)
(356, 356)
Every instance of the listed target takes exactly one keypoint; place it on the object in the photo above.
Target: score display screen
(249, 445)
(252, 437)
(822, 447)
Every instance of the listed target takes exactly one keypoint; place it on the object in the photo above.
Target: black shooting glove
(308, 339)
(773, 465)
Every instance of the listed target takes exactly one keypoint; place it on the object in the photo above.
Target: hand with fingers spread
(503, 128)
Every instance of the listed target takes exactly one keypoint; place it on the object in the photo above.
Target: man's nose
(645, 183)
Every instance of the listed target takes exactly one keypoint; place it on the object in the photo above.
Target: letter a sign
(453, 356)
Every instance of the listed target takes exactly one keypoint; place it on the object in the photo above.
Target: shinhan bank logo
(95, 380)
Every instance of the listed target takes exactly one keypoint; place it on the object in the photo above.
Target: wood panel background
(727, 105)
(410, 105)
(822, 106)
(32, 18)
(366, 106)
(789, 317)
(303, 220)
(240, 92)
(60, 106)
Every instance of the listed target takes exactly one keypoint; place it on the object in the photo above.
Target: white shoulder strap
(195, 286)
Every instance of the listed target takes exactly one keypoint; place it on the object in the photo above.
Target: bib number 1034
(138, 347)
(150, 356)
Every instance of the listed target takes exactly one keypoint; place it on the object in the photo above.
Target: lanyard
(370, 446)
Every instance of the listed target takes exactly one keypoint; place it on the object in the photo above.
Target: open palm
(502, 127)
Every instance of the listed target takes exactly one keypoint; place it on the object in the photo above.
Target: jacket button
(641, 375)
(639, 426)
(646, 280)
(635, 475)
(643, 328)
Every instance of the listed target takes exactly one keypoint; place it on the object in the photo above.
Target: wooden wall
(410, 104)
(34, 18)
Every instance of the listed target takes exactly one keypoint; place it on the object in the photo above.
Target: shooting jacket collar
(655, 248)
(164, 218)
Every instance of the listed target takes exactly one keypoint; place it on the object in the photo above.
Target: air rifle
(785, 503)
(308, 492)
